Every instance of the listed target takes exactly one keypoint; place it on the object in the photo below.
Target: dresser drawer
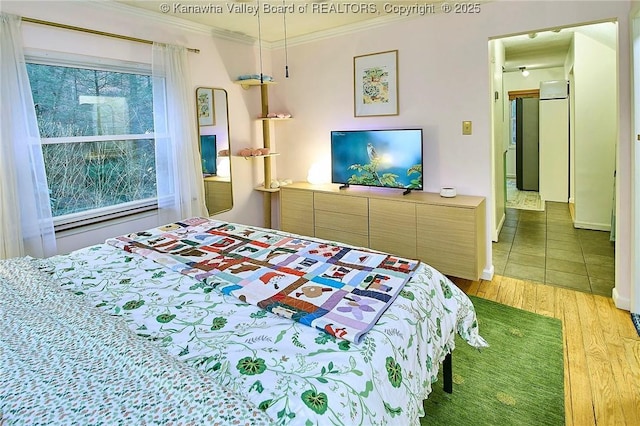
(342, 221)
(338, 203)
(296, 200)
(447, 239)
(392, 227)
(342, 236)
(218, 196)
(296, 214)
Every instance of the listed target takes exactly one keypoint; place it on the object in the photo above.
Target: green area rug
(518, 380)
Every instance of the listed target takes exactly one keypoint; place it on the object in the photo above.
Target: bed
(283, 363)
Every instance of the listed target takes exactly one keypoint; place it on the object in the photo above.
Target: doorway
(522, 178)
(546, 246)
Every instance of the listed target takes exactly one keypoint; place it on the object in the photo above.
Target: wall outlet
(466, 127)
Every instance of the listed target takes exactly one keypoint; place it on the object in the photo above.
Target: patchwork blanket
(340, 290)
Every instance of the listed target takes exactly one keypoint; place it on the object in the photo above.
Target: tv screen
(385, 158)
(208, 154)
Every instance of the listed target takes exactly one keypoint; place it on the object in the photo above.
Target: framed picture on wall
(206, 113)
(375, 84)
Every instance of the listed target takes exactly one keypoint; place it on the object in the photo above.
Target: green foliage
(344, 345)
(367, 174)
(265, 404)
(392, 411)
(416, 182)
(75, 102)
(257, 386)
(86, 102)
(132, 304)
(165, 318)
(446, 290)
(251, 366)
(407, 294)
(90, 175)
(317, 401)
(324, 338)
(259, 314)
(295, 339)
(394, 372)
(375, 74)
(218, 323)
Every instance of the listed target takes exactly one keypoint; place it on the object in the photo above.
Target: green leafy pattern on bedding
(296, 376)
(66, 362)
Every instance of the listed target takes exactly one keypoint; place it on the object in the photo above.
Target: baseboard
(593, 226)
(487, 274)
(572, 209)
(496, 232)
(619, 301)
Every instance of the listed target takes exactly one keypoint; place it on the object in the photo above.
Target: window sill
(82, 222)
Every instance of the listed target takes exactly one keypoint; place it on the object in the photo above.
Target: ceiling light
(524, 71)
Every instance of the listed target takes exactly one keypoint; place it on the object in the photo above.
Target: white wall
(554, 150)
(217, 65)
(443, 80)
(596, 115)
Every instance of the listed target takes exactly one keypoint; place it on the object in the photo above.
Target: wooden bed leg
(447, 374)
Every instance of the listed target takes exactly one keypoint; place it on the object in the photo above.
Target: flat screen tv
(384, 158)
(208, 154)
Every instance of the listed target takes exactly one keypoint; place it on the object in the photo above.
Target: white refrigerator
(554, 141)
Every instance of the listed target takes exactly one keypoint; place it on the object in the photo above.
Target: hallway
(543, 246)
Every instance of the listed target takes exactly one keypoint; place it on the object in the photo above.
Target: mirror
(213, 138)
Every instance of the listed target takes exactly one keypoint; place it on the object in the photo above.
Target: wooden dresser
(447, 233)
(218, 196)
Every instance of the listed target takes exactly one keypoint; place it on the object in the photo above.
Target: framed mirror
(213, 138)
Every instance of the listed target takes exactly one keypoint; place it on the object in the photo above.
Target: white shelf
(263, 189)
(253, 82)
(274, 118)
(249, 157)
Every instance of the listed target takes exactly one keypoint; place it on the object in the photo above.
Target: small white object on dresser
(447, 192)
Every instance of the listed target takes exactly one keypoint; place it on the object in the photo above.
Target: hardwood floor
(601, 347)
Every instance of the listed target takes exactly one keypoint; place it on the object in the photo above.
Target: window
(97, 136)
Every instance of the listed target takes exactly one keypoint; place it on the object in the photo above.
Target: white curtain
(26, 225)
(178, 164)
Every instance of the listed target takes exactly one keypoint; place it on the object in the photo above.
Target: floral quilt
(297, 376)
(66, 362)
(341, 290)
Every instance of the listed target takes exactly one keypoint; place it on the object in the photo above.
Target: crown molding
(148, 15)
(113, 6)
(187, 25)
(343, 30)
(236, 36)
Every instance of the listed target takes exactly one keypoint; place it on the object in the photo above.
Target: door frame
(635, 149)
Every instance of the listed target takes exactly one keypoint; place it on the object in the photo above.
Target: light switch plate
(466, 127)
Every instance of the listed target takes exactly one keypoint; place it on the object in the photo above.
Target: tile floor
(543, 246)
